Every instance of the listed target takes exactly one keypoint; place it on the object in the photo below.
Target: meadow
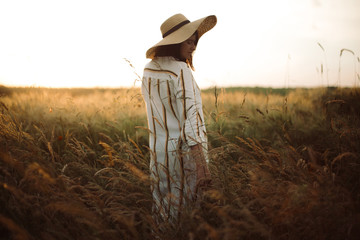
(285, 165)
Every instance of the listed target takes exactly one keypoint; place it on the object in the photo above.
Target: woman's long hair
(173, 50)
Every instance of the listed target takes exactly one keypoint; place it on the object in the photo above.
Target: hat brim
(201, 26)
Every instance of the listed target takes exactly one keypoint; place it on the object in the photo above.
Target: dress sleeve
(187, 107)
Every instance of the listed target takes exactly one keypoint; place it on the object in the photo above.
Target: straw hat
(178, 28)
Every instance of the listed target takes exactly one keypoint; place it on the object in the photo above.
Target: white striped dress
(176, 121)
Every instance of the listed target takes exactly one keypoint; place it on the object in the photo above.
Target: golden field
(285, 165)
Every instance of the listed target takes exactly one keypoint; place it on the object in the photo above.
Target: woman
(178, 142)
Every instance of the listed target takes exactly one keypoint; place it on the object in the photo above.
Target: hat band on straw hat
(176, 28)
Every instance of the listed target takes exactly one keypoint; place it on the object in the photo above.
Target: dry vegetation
(74, 165)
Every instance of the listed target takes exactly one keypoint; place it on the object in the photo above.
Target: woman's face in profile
(188, 47)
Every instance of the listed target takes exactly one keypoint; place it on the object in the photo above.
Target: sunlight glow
(255, 43)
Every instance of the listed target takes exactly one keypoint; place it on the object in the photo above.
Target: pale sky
(83, 43)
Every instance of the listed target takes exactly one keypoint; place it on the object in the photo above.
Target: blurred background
(278, 43)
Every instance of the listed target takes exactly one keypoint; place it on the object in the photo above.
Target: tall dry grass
(74, 165)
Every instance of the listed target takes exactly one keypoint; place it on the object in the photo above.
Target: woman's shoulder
(166, 64)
